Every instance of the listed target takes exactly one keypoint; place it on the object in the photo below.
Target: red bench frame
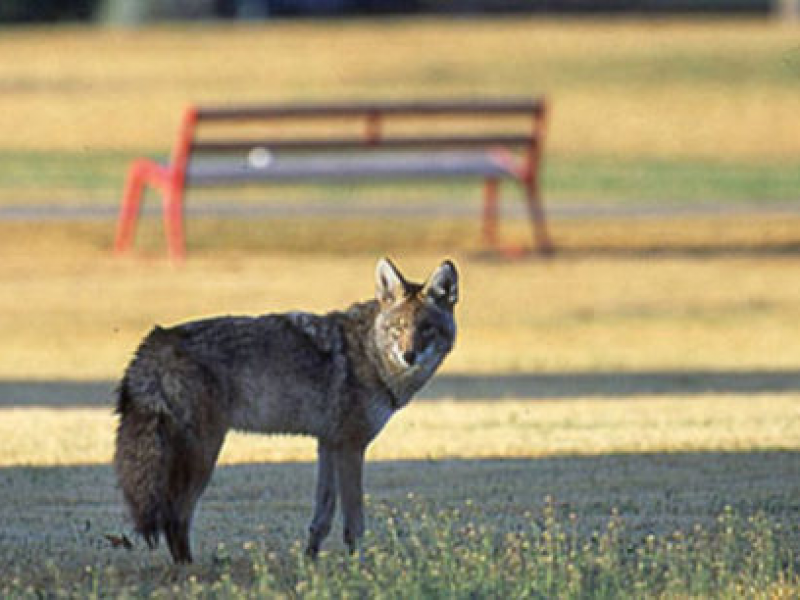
(520, 156)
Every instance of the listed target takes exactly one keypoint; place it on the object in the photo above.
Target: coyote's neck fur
(400, 383)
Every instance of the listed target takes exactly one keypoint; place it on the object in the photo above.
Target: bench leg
(541, 235)
(490, 198)
(173, 221)
(131, 205)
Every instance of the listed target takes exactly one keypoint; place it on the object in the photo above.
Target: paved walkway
(568, 210)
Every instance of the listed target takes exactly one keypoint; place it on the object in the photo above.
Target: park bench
(453, 144)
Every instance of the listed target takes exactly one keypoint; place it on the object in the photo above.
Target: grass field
(622, 420)
(619, 87)
(666, 110)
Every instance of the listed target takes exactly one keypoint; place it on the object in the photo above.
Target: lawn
(624, 295)
(622, 420)
(631, 88)
(642, 111)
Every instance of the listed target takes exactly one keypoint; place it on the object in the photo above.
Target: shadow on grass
(67, 513)
(535, 386)
(612, 384)
(764, 249)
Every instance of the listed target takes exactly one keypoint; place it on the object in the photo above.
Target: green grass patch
(648, 182)
(30, 177)
(97, 178)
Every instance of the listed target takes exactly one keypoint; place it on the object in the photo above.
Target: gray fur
(337, 377)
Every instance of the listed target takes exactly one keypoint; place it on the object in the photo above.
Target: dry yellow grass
(71, 311)
(462, 429)
(609, 329)
(721, 89)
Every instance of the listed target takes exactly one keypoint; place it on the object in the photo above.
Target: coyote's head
(415, 328)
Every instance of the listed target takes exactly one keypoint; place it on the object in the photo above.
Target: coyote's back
(338, 377)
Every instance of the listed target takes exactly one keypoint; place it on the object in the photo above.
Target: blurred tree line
(132, 12)
(47, 10)
(135, 11)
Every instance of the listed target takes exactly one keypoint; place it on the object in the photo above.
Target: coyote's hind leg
(324, 501)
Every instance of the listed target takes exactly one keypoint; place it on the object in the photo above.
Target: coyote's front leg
(324, 501)
(349, 470)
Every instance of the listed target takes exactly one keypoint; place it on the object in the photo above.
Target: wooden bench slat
(222, 146)
(520, 106)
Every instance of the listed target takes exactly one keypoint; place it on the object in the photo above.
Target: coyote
(338, 377)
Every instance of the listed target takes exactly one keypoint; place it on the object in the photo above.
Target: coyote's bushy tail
(141, 461)
(170, 432)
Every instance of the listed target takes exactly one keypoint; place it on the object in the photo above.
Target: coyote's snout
(338, 377)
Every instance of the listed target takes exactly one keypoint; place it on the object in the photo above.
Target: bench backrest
(373, 117)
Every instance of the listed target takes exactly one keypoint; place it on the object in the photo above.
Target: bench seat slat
(208, 171)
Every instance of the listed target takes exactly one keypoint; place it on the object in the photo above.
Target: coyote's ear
(390, 287)
(442, 285)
